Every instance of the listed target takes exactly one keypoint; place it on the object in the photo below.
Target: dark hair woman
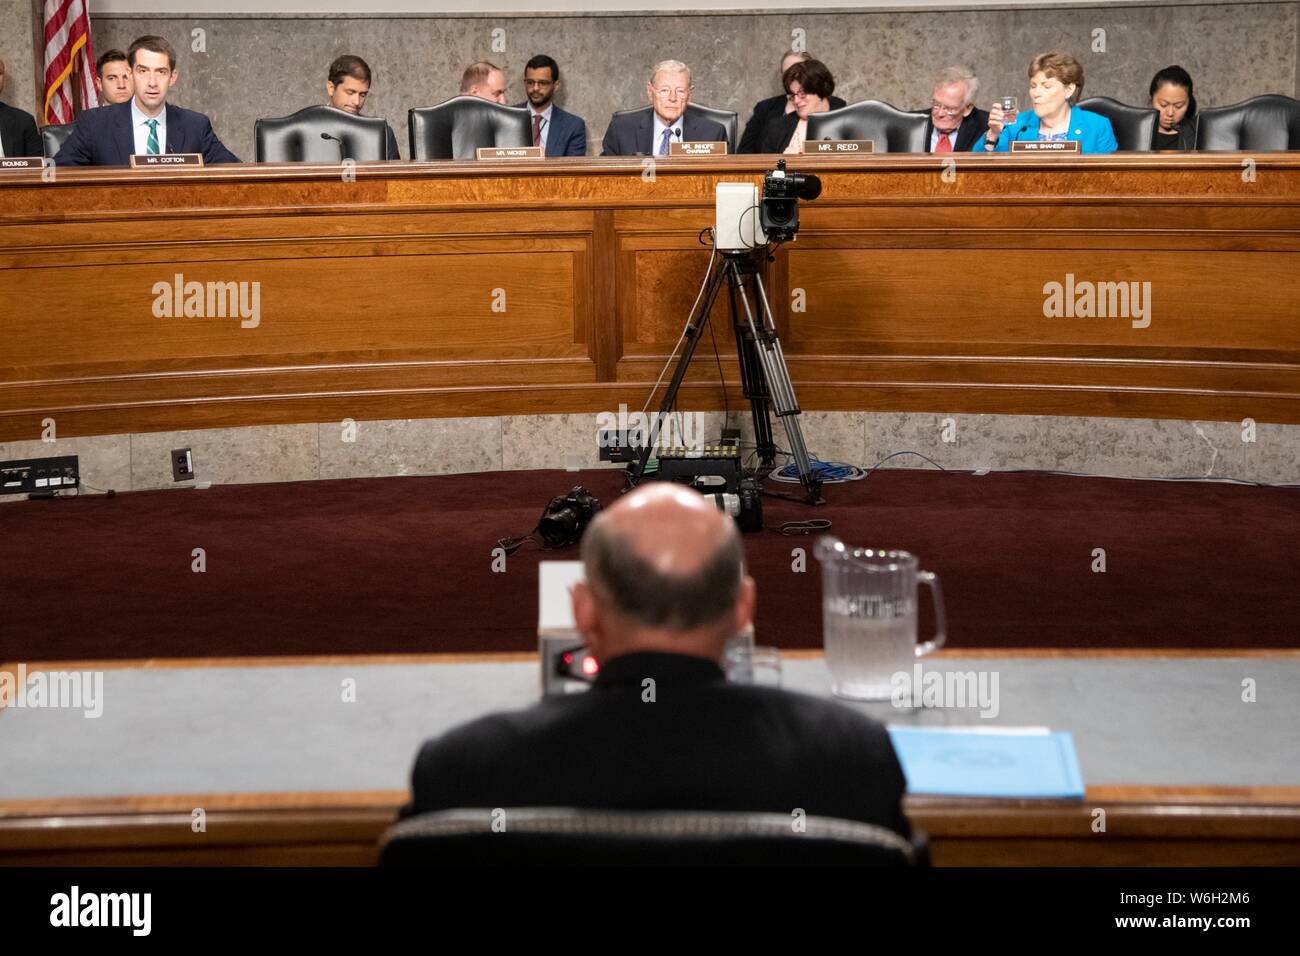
(809, 85)
(1171, 94)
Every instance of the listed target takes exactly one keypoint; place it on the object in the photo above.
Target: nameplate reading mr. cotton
(839, 146)
(165, 160)
(20, 162)
(509, 152)
(1056, 146)
(697, 149)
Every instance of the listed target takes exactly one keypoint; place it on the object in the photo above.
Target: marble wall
(1115, 447)
(251, 67)
(17, 42)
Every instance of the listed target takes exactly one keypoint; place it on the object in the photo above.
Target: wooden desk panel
(922, 281)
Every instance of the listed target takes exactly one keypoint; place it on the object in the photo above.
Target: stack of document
(1014, 762)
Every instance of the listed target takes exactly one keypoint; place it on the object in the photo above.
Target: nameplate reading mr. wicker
(838, 146)
(165, 160)
(697, 149)
(20, 162)
(509, 152)
(1054, 146)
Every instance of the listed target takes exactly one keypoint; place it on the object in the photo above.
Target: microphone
(342, 155)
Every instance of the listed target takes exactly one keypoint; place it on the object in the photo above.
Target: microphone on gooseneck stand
(342, 155)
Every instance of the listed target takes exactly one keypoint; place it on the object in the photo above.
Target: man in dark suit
(774, 108)
(661, 728)
(18, 136)
(563, 134)
(955, 123)
(145, 124)
(648, 132)
(348, 86)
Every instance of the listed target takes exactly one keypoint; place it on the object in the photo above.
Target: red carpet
(400, 565)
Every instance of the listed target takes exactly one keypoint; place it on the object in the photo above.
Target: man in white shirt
(649, 132)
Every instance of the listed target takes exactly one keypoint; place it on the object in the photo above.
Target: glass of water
(747, 664)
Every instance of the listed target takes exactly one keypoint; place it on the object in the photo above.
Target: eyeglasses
(801, 95)
(946, 110)
(665, 92)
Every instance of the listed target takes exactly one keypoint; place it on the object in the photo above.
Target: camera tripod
(764, 376)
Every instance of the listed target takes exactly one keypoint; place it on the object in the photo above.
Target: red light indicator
(589, 666)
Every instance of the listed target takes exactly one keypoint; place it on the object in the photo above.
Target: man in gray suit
(648, 132)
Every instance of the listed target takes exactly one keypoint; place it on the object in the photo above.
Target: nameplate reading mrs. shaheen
(697, 149)
(165, 160)
(1054, 146)
(509, 152)
(839, 146)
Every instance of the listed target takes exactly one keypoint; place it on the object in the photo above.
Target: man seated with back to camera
(665, 589)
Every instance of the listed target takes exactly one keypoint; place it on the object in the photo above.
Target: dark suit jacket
(765, 112)
(103, 137)
(971, 129)
(630, 134)
(18, 132)
(702, 744)
(567, 135)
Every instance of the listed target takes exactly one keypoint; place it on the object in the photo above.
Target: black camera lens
(559, 527)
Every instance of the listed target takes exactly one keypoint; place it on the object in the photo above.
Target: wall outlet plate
(182, 464)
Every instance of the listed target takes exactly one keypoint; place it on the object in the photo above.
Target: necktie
(537, 129)
(151, 147)
(663, 143)
(944, 145)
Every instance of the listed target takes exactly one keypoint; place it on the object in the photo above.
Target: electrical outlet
(182, 465)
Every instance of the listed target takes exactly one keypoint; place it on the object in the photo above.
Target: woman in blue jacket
(1055, 82)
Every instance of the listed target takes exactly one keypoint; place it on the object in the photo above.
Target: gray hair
(653, 598)
(671, 66)
(958, 74)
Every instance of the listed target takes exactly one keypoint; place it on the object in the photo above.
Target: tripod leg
(778, 380)
(751, 376)
(695, 324)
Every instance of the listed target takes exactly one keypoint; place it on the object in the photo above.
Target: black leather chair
(456, 128)
(298, 138)
(564, 835)
(53, 138)
(1134, 126)
(891, 130)
(1264, 122)
(727, 119)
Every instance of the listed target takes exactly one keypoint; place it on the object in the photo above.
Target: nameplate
(1045, 146)
(697, 149)
(839, 146)
(163, 160)
(21, 162)
(510, 152)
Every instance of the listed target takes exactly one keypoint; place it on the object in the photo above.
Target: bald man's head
(665, 571)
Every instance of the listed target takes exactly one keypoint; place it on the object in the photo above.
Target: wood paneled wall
(457, 289)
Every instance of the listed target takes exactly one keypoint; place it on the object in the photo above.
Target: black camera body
(566, 517)
(745, 505)
(778, 209)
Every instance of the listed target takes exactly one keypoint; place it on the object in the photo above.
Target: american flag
(68, 58)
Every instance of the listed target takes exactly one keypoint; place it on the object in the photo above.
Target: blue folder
(976, 763)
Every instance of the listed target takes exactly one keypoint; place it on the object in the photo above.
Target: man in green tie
(146, 124)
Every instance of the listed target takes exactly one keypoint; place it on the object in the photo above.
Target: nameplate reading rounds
(697, 149)
(165, 160)
(509, 152)
(20, 162)
(835, 146)
(1056, 146)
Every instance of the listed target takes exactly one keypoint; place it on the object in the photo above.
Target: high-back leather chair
(727, 119)
(298, 138)
(456, 128)
(891, 130)
(565, 835)
(1271, 121)
(1134, 126)
(53, 138)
